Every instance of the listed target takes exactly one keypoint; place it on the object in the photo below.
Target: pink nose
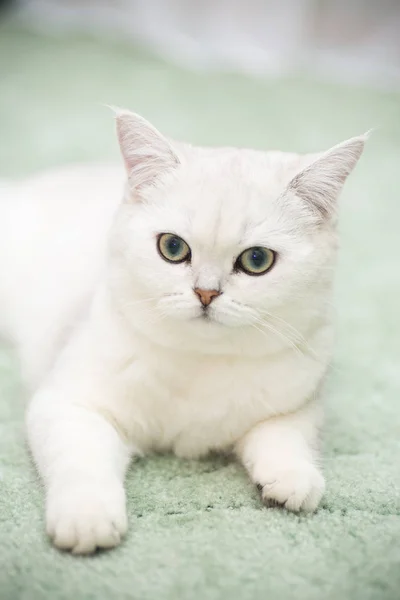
(206, 296)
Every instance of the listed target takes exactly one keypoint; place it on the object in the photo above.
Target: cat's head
(214, 249)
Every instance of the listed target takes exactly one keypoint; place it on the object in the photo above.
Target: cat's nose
(206, 296)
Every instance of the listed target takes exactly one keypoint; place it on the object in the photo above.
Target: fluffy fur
(111, 336)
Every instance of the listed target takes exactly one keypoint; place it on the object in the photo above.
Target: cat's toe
(272, 503)
(83, 518)
(296, 488)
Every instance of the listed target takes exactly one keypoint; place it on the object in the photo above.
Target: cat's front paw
(83, 517)
(296, 487)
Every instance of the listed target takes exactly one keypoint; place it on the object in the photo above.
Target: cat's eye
(172, 248)
(255, 261)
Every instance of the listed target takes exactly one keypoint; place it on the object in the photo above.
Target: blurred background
(294, 74)
(352, 41)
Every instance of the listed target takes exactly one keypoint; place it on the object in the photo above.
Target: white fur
(109, 333)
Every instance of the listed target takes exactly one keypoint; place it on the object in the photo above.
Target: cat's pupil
(257, 258)
(174, 246)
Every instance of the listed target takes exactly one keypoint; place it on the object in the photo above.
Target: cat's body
(121, 354)
(49, 264)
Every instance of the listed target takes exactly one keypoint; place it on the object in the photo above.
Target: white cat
(192, 316)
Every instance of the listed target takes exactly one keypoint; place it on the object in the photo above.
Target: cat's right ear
(146, 152)
(319, 184)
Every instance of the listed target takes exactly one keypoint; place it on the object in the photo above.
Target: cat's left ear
(321, 182)
(146, 152)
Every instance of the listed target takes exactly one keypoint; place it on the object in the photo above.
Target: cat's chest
(196, 407)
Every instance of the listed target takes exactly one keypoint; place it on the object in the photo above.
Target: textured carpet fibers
(197, 529)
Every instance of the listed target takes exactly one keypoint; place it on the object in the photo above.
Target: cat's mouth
(207, 317)
(204, 316)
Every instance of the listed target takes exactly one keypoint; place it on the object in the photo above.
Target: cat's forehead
(227, 196)
(220, 166)
(246, 179)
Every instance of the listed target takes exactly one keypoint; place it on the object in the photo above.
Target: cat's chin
(209, 337)
(206, 319)
(219, 321)
(193, 332)
(206, 323)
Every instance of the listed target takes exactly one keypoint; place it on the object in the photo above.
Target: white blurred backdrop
(355, 41)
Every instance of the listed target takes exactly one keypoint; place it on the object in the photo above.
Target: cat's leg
(281, 456)
(82, 459)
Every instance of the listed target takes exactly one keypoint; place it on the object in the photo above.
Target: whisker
(278, 333)
(330, 365)
(295, 331)
(299, 337)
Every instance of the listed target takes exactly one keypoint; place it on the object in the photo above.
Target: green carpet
(197, 530)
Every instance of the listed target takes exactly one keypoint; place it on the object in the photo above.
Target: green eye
(173, 248)
(255, 261)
